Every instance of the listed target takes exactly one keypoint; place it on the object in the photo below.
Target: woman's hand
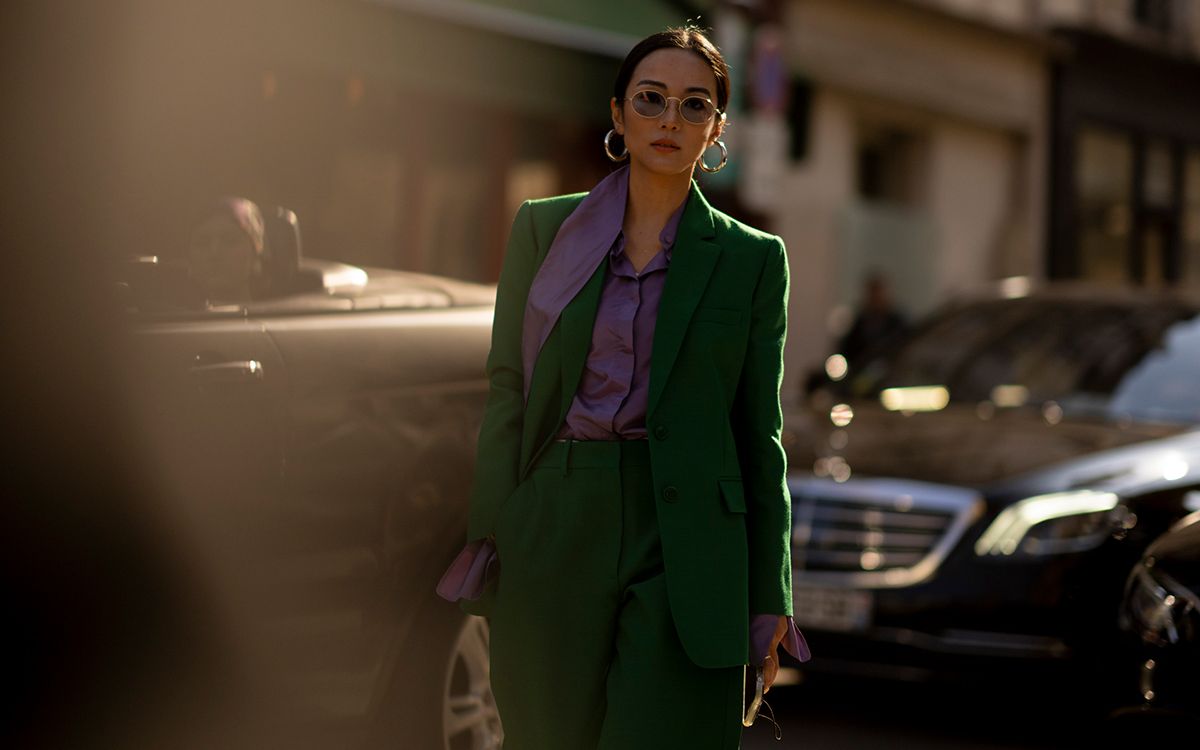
(771, 665)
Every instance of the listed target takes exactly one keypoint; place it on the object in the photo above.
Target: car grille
(875, 532)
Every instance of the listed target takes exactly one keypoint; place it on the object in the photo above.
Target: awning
(609, 28)
(545, 57)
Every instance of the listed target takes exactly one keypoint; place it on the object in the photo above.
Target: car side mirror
(283, 270)
(283, 250)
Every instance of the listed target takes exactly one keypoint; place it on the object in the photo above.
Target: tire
(441, 696)
(470, 720)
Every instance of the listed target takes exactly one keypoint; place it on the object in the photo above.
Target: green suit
(713, 416)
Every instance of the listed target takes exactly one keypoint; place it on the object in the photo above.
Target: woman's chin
(665, 165)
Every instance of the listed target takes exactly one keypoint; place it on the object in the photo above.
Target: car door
(214, 388)
(385, 393)
(211, 390)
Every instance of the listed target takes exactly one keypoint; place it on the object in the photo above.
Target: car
(969, 496)
(315, 445)
(1160, 619)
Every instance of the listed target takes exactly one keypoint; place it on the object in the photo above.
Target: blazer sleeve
(757, 421)
(498, 451)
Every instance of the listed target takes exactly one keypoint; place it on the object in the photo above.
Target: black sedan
(968, 498)
(315, 446)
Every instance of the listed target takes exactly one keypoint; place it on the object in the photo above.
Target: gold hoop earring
(608, 147)
(719, 167)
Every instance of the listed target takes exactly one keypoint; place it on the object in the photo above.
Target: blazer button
(661, 432)
(670, 494)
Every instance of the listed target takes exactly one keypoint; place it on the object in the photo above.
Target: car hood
(958, 446)
(341, 287)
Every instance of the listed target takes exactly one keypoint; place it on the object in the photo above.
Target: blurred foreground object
(224, 522)
(317, 443)
(115, 643)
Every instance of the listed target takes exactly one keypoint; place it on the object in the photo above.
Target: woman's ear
(718, 129)
(617, 119)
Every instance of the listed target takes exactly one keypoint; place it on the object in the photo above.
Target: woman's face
(668, 144)
(222, 258)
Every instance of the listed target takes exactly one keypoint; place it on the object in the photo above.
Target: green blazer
(713, 414)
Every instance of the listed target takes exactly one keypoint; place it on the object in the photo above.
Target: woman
(630, 473)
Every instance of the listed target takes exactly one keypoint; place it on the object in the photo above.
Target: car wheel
(470, 720)
(441, 696)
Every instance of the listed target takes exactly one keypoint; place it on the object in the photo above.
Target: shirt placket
(629, 285)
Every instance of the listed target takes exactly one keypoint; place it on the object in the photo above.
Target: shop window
(1103, 203)
(799, 116)
(358, 215)
(1152, 14)
(456, 197)
(1158, 190)
(1191, 219)
(1157, 224)
(890, 165)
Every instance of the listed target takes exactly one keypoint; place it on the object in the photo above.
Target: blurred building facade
(403, 133)
(938, 143)
(923, 160)
(948, 143)
(1125, 134)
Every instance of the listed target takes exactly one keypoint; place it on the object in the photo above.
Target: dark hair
(687, 37)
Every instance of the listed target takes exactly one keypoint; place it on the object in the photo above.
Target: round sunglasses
(695, 109)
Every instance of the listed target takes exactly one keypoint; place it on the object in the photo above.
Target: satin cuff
(472, 569)
(762, 630)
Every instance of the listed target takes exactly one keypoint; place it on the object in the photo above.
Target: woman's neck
(654, 197)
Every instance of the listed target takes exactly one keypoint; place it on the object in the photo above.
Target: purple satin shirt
(610, 403)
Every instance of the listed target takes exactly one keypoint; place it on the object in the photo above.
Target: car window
(154, 287)
(1106, 360)
(1165, 384)
(936, 352)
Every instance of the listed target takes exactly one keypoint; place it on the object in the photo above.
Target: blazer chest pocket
(726, 315)
(731, 491)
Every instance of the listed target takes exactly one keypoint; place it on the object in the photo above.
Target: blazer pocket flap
(735, 499)
(727, 315)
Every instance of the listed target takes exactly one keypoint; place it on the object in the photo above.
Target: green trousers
(584, 652)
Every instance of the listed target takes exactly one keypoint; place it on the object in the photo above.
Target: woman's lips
(664, 146)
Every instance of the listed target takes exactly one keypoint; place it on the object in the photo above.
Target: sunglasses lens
(696, 110)
(649, 103)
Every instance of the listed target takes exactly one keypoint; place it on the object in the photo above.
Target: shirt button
(670, 494)
(661, 432)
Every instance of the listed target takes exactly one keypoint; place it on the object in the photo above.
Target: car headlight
(1050, 524)
(1158, 608)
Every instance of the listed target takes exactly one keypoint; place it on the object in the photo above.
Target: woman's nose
(670, 116)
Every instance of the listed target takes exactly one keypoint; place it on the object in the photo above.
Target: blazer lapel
(577, 320)
(692, 261)
(558, 369)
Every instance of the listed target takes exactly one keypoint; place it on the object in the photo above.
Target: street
(832, 714)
